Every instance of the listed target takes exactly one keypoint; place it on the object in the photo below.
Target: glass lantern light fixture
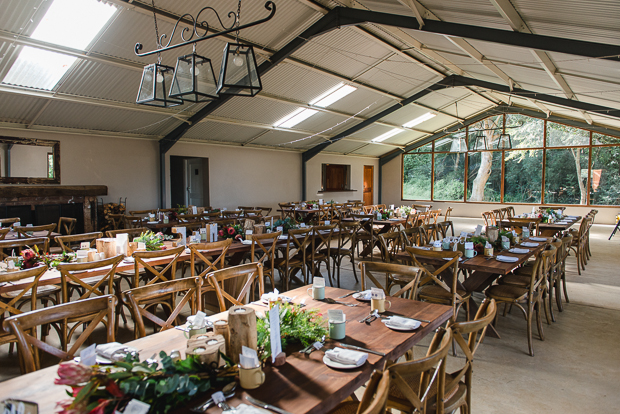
(193, 79)
(154, 85)
(480, 142)
(504, 142)
(239, 72)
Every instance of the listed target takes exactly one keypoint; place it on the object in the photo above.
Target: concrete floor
(574, 369)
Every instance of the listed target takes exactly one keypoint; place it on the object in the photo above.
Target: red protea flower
(113, 389)
(221, 233)
(71, 373)
(231, 230)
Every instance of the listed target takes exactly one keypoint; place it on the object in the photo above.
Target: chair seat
(41, 291)
(437, 292)
(506, 292)
(518, 280)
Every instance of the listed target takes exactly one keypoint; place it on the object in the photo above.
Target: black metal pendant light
(156, 79)
(481, 142)
(239, 71)
(194, 79)
(504, 142)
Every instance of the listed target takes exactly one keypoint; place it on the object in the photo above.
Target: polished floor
(574, 370)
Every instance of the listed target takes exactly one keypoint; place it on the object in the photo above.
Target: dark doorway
(189, 181)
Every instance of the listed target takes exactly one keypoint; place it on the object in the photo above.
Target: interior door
(368, 185)
(194, 181)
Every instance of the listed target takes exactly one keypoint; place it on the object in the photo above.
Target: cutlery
(366, 318)
(314, 347)
(373, 316)
(265, 405)
(359, 348)
(415, 319)
(348, 294)
(228, 391)
(220, 400)
(332, 301)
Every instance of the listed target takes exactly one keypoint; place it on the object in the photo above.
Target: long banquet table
(304, 385)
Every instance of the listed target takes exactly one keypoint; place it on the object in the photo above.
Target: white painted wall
(313, 177)
(392, 195)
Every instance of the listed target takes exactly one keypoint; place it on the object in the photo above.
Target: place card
(336, 315)
(248, 358)
(88, 356)
(463, 235)
(318, 282)
(194, 238)
(327, 222)
(376, 293)
(274, 328)
(302, 225)
(85, 246)
(141, 246)
(279, 228)
(194, 210)
(478, 230)
(469, 245)
(203, 234)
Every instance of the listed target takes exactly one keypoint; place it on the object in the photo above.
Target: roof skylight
(69, 23)
(387, 135)
(334, 94)
(419, 119)
(295, 117)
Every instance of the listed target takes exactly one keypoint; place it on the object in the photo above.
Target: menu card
(376, 293)
(274, 328)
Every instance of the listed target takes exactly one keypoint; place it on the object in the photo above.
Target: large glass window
(484, 176)
(566, 176)
(547, 163)
(417, 176)
(523, 176)
(449, 176)
(605, 176)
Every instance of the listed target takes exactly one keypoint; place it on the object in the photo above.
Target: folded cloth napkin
(246, 241)
(538, 239)
(509, 259)
(367, 295)
(404, 323)
(528, 244)
(114, 351)
(346, 356)
(518, 251)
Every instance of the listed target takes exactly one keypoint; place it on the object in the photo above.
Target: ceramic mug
(488, 252)
(379, 305)
(195, 331)
(337, 330)
(318, 292)
(506, 245)
(445, 245)
(469, 253)
(250, 378)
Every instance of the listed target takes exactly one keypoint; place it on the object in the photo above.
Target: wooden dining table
(304, 384)
(551, 229)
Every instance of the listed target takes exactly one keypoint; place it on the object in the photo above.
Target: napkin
(528, 244)
(367, 295)
(509, 259)
(346, 356)
(541, 239)
(114, 351)
(404, 323)
(518, 251)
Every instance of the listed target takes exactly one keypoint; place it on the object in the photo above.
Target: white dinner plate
(540, 239)
(528, 244)
(518, 251)
(359, 296)
(338, 365)
(246, 241)
(400, 328)
(450, 258)
(506, 260)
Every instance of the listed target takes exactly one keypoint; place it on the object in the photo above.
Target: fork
(332, 301)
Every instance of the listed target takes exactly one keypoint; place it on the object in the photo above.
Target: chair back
(415, 379)
(432, 231)
(444, 226)
(321, 239)
(146, 259)
(265, 211)
(287, 210)
(446, 217)
(117, 220)
(74, 272)
(143, 301)
(252, 214)
(233, 285)
(66, 225)
(346, 233)
(7, 246)
(231, 213)
(374, 400)
(9, 221)
(489, 218)
(3, 232)
(24, 232)
(66, 243)
(389, 244)
(405, 277)
(325, 212)
(205, 252)
(24, 325)
(133, 222)
(131, 233)
(264, 245)
(141, 212)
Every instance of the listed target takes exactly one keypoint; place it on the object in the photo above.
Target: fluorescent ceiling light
(295, 117)
(334, 94)
(420, 119)
(387, 135)
(70, 23)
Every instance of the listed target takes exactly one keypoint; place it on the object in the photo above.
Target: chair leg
(529, 328)
(564, 287)
(548, 312)
(550, 297)
(558, 295)
(353, 265)
(539, 325)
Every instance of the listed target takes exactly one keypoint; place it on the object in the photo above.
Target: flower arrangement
(405, 209)
(231, 231)
(286, 224)
(153, 241)
(385, 213)
(550, 216)
(102, 390)
(296, 326)
(30, 258)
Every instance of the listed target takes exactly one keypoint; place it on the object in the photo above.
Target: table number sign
(85, 246)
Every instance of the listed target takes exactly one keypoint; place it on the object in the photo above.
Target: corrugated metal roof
(18, 108)
(215, 131)
(474, 12)
(295, 82)
(22, 16)
(264, 111)
(399, 76)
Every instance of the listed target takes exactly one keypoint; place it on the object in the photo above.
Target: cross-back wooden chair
(12, 303)
(131, 233)
(325, 212)
(432, 231)
(117, 220)
(141, 212)
(143, 302)
(374, 400)
(390, 244)
(8, 222)
(232, 213)
(3, 232)
(203, 253)
(579, 244)
(24, 232)
(252, 214)
(422, 207)
(413, 219)
(66, 225)
(489, 218)
(8, 246)
(433, 288)
(563, 252)
(24, 325)
(443, 228)
(419, 385)
(133, 222)
(320, 250)
(387, 275)
(287, 210)
(156, 274)
(366, 233)
(72, 242)
(295, 256)
(434, 216)
(211, 216)
(474, 331)
(528, 299)
(265, 211)
(414, 236)
(263, 251)
(344, 237)
(446, 217)
(499, 214)
(234, 285)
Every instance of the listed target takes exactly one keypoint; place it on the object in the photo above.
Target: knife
(265, 405)
(347, 295)
(359, 348)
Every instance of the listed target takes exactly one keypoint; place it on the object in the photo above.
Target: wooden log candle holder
(207, 347)
(242, 330)
(221, 328)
